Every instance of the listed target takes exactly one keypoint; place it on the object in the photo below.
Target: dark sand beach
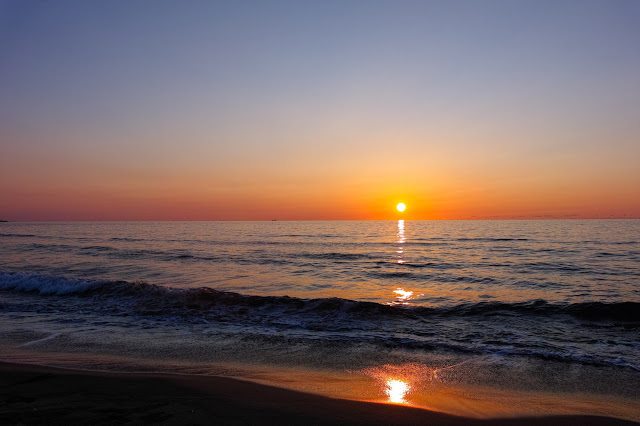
(44, 395)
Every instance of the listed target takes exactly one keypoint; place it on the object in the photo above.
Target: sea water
(550, 305)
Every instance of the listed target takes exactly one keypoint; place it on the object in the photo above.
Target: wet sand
(44, 395)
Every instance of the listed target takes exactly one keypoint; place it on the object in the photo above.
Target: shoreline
(32, 394)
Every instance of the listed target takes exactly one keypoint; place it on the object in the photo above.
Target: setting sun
(401, 207)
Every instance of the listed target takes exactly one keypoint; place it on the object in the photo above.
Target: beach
(45, 395)
(475, 320)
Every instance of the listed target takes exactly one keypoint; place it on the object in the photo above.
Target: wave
(335, 256)
(46, 285)
(579, 329)
(18, 235)
(492, 239)
(185, 301)
(593, 311)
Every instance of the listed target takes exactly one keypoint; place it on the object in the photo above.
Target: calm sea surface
(513, 297)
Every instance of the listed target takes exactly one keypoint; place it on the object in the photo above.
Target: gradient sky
(205, 110)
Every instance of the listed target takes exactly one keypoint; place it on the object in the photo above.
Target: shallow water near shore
(469, 315)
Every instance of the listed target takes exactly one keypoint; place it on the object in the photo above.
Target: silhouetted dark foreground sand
(43, 395)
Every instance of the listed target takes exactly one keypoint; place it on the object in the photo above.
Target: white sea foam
(45, 284)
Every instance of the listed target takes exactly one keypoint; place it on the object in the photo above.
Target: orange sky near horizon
(72, 195)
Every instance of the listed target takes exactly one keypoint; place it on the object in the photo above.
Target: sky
(319, 110)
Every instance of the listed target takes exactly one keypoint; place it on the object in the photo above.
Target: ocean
(549, 306)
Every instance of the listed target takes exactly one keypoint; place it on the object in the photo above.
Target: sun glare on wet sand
(398, 382)
(397, 389)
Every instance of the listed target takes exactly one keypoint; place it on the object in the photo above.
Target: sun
(401, 207)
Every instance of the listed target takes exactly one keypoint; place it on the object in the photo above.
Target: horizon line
(320, 220)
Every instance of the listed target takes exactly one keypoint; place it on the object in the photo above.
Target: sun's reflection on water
(401, 240)
(402, 297)
(403, 294)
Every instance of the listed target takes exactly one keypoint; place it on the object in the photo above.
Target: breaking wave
(184, 301)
